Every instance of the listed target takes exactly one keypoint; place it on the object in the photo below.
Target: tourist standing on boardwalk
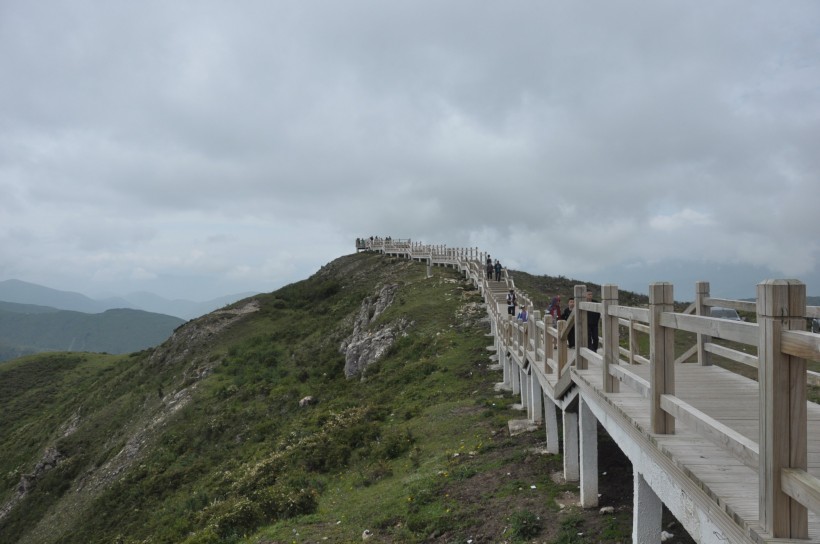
(564, 316)
(554, 309)
(522, 315)
(592, 325)
(511, 302)
(489, 268)
(497, 270)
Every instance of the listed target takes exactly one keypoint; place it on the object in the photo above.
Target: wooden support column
(571, 467)
(589, 455)
(609, 298)
(701, 293)
(551, 425)
(781, 305)
(647, 512)
(661, 357)
(581, 331)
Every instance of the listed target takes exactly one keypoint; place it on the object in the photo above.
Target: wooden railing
(787, 490)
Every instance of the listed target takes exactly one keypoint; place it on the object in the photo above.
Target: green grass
(202, 440)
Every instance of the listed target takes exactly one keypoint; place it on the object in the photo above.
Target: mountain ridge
(243, 427)
(27, 329)
(23, 292)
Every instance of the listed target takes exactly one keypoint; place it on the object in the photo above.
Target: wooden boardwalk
(692, 430)
(732, 400)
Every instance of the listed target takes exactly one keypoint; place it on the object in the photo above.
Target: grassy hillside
(203, 439)
(543, 288)
(30, 329)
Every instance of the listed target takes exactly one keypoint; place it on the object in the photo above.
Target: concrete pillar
(505, 366)
(589, 455)
(551, 425)
(536, 398)
(516, 377)
(571, 468)
(501, 363)
(647, 512)
(525, 386)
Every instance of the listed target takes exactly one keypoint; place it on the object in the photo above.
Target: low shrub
(525, 525)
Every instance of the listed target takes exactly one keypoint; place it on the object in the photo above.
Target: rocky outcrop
(50, 459)
(365, 345)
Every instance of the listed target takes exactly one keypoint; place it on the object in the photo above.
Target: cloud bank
(199, 148)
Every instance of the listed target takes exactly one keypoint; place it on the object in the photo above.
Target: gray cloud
(240, 146)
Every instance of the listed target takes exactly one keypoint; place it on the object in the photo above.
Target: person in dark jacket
(564, 316)
(554, 309)
(593, 318)
(497, 270)
(511, 302)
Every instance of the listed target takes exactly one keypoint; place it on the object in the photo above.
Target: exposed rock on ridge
(364, 346)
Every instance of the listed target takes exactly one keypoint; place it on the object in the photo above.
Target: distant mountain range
(34, 318)
(27, 329)
(22, 292)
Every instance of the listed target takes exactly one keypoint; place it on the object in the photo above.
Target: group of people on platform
(362, 241)
(556, 314)
(493, 269)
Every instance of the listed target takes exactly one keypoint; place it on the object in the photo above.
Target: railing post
(701, 293)
(548, 354)
(580, 326)
(781, 305)
(562, 348)
(661, 357)
(535, 315)
(633, 342)
(609, 298)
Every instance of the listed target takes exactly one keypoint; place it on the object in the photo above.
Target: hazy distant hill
(26, 329)
(22, 292)
(186, 309)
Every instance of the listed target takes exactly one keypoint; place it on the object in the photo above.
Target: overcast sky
(201, 148)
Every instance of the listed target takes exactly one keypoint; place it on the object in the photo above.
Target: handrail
(802, 487)
(738, 331)
(630, 313)
(731, 354)
(801, 344)
(740, 305)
